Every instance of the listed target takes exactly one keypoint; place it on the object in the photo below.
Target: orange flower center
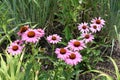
(84, 27)
(31, 34)
(76, 43)
(98, 21)
(72, 56)
(62, 51)
(87, 36)
(23, 29)
(15, 48)
(53, 38)
(94, 27)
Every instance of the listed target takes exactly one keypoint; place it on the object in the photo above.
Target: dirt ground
(107, 65)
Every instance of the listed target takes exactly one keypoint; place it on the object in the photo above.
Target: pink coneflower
(54, 38)
(19, 42)
(76, 45)
(31, 35)
(14, 49)
(41, 32)
(74, 58)
(94, 28)
(62, 53)
(83, 27)
(88, 37)
(100, 22)
(23, 29)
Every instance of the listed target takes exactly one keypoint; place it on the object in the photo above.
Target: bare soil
(107, 65)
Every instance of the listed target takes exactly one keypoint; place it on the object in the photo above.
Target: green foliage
(10, 68)
(68, 34)
(117, 34)
(68, 14)
(35, 11)
(35, 65)
(60, 70)
(14, 13)
(113, 8)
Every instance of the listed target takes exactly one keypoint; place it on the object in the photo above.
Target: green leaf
(63, 43)
(27, 71)
(67, 32)
(10, 20)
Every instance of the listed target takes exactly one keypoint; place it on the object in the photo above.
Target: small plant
(10, 68)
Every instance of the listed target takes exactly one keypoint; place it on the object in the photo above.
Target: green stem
(20, 62)
(33, 59)
(53, 47)
(12, 71)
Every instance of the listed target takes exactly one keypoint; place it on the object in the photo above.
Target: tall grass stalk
(37, 11)
(112, 11)
(117, 34)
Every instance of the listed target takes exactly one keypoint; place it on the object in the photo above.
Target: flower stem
(53, 47)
